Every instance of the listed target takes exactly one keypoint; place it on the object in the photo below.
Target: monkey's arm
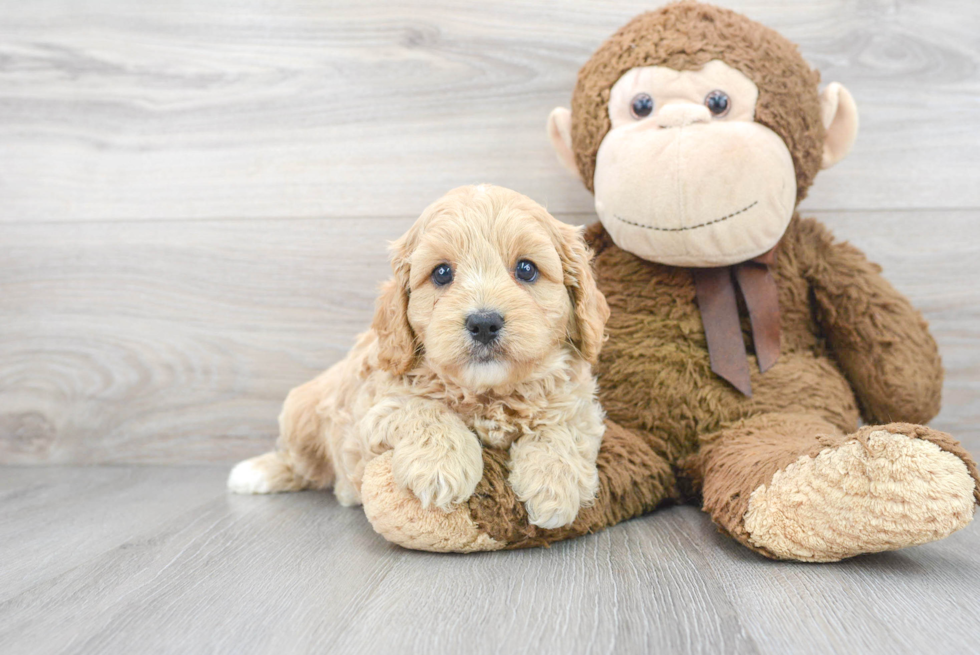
(880, 340)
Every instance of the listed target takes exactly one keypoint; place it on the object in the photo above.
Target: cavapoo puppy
(486, 333)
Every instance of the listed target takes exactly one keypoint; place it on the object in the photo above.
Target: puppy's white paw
(441, 470)
(553, 495)
(553, 507)
(249, 477)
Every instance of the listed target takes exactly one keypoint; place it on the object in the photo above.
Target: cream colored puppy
(486, 333)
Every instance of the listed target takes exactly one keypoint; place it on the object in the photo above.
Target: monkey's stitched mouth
(689, 227)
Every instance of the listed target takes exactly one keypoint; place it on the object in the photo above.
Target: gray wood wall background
(195, 197)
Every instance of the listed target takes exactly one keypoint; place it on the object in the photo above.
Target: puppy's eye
(641, 105)
(717, 103)
(526, 271)
(442, 275)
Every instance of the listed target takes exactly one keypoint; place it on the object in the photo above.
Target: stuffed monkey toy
(745, 344)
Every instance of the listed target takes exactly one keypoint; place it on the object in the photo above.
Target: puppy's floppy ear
(396, 339)
(587, 328)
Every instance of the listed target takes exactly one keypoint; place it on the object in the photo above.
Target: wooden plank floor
(194, 205)
(171, 563)
(144, 343)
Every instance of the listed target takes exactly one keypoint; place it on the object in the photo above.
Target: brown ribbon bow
(719, 314)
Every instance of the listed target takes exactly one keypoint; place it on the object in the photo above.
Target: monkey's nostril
(484, 326)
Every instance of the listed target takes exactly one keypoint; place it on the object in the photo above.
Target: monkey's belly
(666, 388)
(655, 375)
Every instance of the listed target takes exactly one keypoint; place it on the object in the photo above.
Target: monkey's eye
(641, 105)
(526, 271)
(717, 103)
(442, 275)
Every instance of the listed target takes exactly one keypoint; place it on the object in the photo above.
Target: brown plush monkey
(744, 343)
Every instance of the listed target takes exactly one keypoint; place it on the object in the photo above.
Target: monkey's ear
(560, 134)
(840, 118)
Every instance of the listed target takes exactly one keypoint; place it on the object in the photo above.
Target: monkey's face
(685, 176)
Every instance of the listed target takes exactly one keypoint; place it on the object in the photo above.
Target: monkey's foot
(887, 488)
(398, 516)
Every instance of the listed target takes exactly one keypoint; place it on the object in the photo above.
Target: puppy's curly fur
(420, 384)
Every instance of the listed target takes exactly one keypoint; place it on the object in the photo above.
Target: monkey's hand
(880, 340)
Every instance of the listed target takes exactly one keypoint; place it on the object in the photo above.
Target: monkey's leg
(633, 480)
(792, 486)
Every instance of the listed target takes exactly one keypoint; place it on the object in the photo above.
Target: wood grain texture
(297, 573)
(176, 342)
(110, 110)
(162, 342)
(53, 520)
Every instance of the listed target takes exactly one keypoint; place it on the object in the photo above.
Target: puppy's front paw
(442, 469)
(553, 494)
(550, 507)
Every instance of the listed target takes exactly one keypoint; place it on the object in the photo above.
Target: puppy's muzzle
(484, 327)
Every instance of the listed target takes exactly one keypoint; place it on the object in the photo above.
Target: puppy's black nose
(484, 326)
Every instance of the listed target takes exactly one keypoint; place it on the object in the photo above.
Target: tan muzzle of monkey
(691, 193)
